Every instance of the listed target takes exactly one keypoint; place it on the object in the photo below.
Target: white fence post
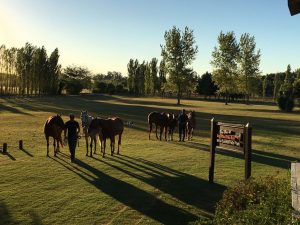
(295, 182)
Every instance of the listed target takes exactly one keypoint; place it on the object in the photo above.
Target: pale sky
(103, 35)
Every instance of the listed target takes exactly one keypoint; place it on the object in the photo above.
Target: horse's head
(59, 121)
(84, 118)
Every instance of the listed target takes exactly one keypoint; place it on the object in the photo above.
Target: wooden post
(4, 148)
(248, 150)
(21, 144)
(213, 138)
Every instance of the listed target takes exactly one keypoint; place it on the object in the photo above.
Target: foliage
(248, 65)
(178, 53)
(206, 85)
(263, 201)
(285, 102)
(224, 63)
(28, 70)
(112, 82)
(75, 79)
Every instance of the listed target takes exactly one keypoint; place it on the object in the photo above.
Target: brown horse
(191, 124)
(172, 122)
(159, 119)
(85, 122)
(53, 128)
(109, 128)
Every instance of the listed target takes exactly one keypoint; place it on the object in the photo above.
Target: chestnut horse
(53, 128)
(172, 122)
(191, 124)
(159, 119)
(85, 123)
(109, 128)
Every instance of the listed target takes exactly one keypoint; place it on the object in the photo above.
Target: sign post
(232, 137)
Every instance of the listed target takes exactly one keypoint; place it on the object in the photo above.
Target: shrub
(285, 103)
(266, 201)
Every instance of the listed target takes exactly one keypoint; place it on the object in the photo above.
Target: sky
(103, 35)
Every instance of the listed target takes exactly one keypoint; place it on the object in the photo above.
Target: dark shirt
(72, 127)
(183, 118)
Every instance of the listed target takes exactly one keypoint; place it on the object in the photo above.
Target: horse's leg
(47, 140)
(119, 143)
(91, 147)
(104, 145)
(54, 146)
(160, 133)
(87, 144)
(150, 129)
(156, 131)
(101, 142)
(95, 143)
(112, 145)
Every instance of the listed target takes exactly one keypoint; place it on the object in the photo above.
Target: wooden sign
(232, 137)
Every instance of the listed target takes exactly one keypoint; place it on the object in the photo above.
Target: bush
(266, 201)
(110, 89)
(285, 103)
(73, 86)
(99, 87)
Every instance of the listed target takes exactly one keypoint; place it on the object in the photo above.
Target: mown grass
(151, 182)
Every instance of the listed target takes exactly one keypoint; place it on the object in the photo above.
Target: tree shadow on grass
(131, 196)
(185, 187)
(5, 215)
(258, 156)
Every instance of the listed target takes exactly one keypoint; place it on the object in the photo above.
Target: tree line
(28, 70)
(235, 62)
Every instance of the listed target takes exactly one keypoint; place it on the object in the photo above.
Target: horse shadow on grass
(182, 186)
(258, 156)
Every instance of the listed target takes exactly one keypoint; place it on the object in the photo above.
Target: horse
(109, 128)
(172, 122)
(53, 128)
(191, 124)
(159, 119)
(85, 123)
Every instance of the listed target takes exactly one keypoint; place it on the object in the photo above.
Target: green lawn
(151, 182)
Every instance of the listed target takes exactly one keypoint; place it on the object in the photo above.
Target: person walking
(182, 120)
(72, 128)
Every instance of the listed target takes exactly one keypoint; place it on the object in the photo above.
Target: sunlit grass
(151, 182)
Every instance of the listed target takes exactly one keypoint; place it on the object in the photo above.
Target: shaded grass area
(152, 182)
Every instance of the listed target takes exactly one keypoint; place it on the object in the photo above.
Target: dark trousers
(72, 142)
(182, 128)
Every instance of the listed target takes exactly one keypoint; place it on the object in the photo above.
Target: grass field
(151, 182)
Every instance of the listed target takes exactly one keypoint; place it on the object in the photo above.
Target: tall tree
(224, 62)
(162, 79)
(54, 71)
(249, 60)
(179, 52)
(153, 75)
(148, 81)
(206, 85)
(287, 86)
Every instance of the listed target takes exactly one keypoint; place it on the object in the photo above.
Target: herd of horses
(167, 123)
(104, 128)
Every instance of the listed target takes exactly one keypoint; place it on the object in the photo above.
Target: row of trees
(28, 70)
(236, 65)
